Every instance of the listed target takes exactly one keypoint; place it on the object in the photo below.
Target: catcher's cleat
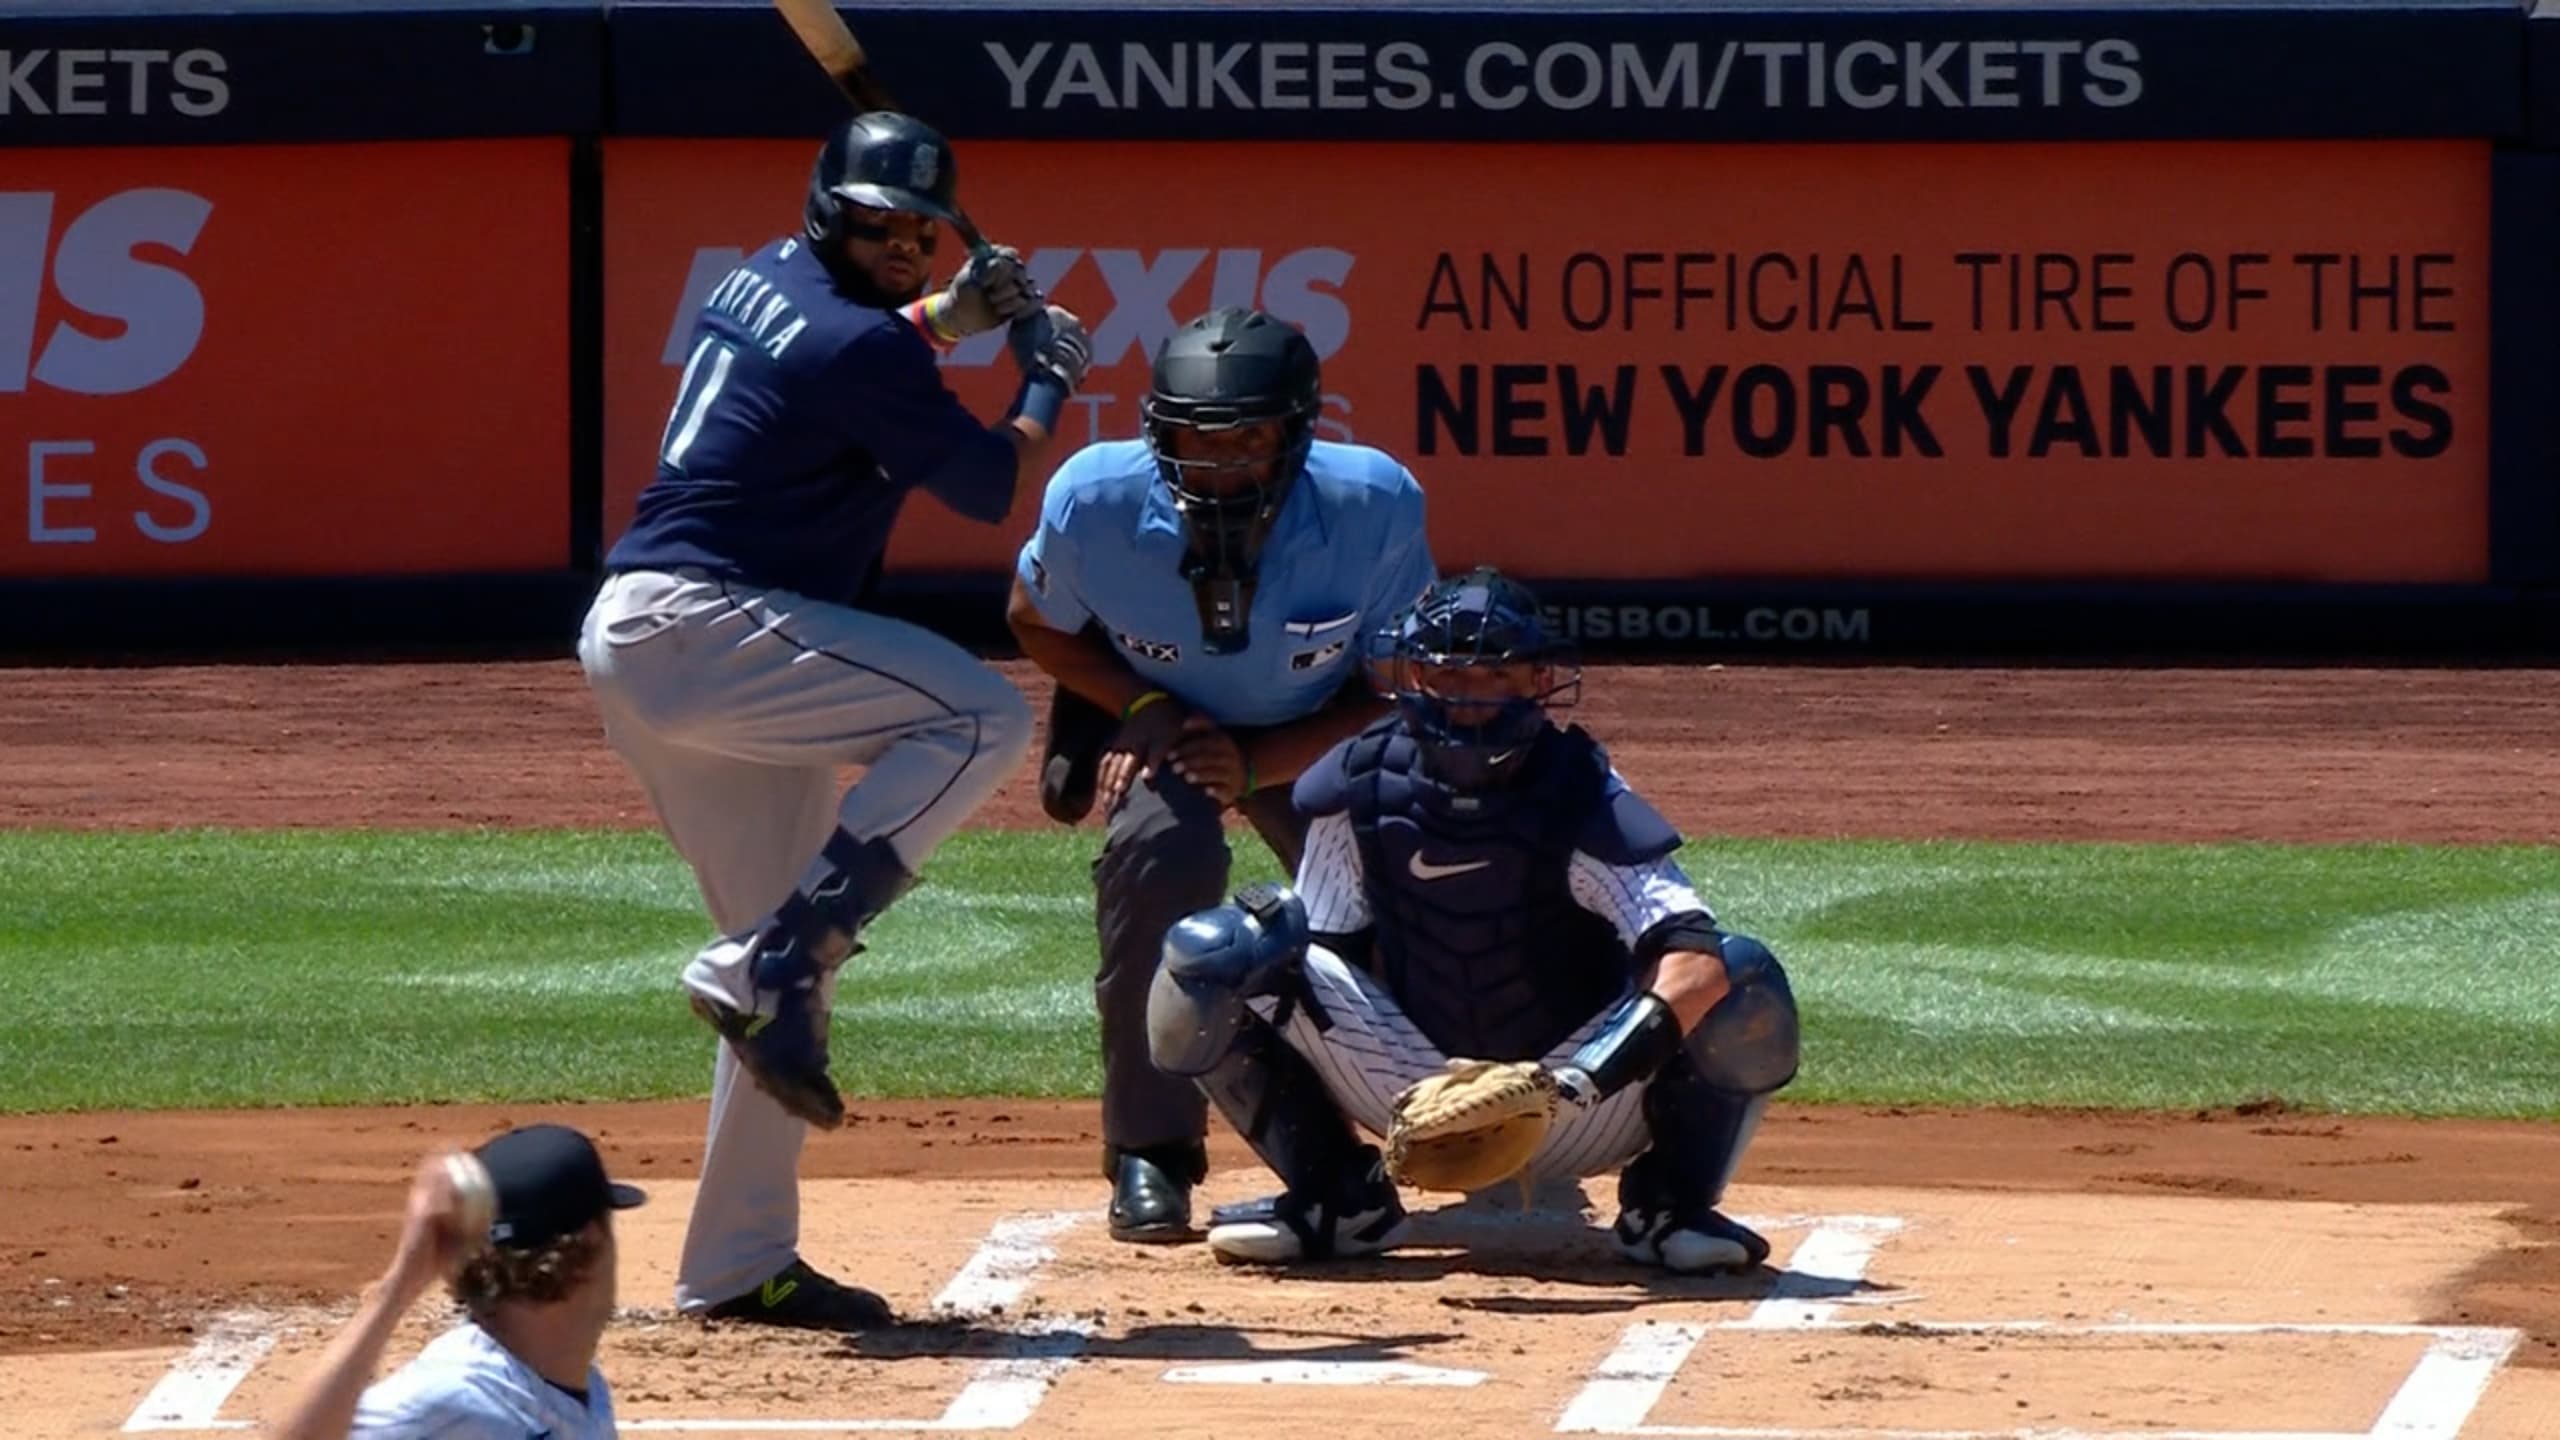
(1286, 1228)
(1693, 1246)
(800, 1298)
(785, 1054)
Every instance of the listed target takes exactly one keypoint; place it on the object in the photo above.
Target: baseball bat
(829, 41)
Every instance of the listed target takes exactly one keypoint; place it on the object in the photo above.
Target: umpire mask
(1230, 417)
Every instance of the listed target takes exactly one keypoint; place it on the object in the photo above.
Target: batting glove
(992, 289)
(1051, 345)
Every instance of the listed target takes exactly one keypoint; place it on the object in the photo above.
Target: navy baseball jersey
(802, 421)
(1346, 553)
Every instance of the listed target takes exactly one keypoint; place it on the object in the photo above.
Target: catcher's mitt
(1474, 1123)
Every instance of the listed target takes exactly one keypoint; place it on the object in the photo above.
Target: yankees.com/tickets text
(1571, 75)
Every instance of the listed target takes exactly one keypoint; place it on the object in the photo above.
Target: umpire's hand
(1141, 745)
(1210, 758)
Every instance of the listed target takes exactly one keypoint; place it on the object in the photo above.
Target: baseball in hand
(475, 1200)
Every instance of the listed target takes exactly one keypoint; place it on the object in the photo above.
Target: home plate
(1320, 1372)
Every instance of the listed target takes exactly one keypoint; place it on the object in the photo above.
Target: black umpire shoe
(800, 1298)
(1151, 1191)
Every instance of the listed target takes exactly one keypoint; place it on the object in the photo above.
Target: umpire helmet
(1474, 671)
(1226, 371)
(881, 161)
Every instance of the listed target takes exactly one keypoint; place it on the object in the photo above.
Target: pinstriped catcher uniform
(1477, 885)
(1384, 1028)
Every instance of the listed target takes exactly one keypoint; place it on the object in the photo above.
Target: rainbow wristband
(928, 315)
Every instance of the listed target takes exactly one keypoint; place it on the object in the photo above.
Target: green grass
(300, 967)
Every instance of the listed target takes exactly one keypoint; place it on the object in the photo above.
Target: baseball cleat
(1282, 1230)
(785, 1055)
(1694, 1246)
(800, 1298)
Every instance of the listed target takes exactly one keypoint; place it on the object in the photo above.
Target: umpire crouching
(1200, 596)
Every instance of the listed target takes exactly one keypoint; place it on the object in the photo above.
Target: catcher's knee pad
(1214, 961)
(1748, 1043)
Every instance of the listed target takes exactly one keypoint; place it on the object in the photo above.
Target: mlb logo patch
(1322, 655)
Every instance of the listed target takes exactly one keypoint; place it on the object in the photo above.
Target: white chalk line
(2433, 1403)
(1630, 1380)
(1003, 1391)
(190, 1396)
(1323, 1372)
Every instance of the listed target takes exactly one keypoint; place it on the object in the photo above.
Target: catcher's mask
(1230, 416)
(1474, 673)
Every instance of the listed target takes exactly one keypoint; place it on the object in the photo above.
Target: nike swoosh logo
(778, 1290)
(1424, 870)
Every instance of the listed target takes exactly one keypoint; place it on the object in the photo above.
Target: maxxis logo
(1131, 301)
(126, 321)
(139, 320)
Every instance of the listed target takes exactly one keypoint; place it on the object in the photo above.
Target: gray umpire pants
(1164, 855)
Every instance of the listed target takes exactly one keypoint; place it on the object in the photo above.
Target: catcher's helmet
(1481, 621)
(883, 161)
(1226, 370)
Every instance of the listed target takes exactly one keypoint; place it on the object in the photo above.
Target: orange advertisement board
(2101, 361)
(285, 360)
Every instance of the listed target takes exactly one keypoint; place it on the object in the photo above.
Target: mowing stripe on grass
(308, 967)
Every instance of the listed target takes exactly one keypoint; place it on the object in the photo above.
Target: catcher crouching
(1490, 963)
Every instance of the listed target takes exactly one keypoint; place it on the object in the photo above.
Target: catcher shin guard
(1277, 1102)
(1703, 1106)
(1667, 1197)
(1214, 961)
(1336, 1199)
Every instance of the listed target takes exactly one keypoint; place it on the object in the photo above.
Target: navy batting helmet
(880, 161)
(1474, 671)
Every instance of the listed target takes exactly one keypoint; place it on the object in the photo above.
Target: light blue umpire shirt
(1346, 554)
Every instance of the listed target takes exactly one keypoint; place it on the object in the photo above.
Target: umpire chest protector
(1477, 933)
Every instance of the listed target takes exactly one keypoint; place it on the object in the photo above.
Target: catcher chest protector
(1478, 933)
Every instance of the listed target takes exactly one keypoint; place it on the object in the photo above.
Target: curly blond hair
(541, 1277)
